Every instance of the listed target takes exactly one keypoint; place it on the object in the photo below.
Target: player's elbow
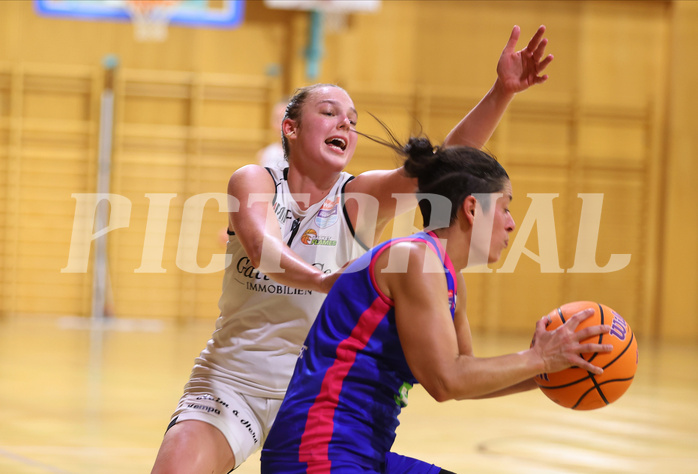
(441, 396)
(253, 246)
(448, 385)
(441, 389)
(255, 258)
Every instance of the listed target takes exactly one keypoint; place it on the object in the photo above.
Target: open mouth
(337, 143)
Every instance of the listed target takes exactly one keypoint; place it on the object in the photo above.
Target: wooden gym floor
(78, 399)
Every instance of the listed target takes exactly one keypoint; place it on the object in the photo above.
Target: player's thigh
(243, 420)
(193, 446)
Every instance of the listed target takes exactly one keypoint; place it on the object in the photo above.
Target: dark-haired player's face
(502, 225)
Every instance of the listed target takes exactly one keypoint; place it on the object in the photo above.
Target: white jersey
(263, 324)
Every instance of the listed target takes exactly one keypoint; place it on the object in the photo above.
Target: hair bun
(420, 155)
(418, 147)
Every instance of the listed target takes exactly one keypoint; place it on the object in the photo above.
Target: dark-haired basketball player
(392, 320)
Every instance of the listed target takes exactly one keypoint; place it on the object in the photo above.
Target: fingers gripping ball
(581, 390)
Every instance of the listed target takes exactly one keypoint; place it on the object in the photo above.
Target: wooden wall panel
(678, 317)
(52, 136)
(614, 118)
(612, 73)
(179, 134)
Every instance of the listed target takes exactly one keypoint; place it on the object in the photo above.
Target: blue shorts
(394, 464)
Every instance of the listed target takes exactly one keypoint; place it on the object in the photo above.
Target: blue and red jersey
(350, 380)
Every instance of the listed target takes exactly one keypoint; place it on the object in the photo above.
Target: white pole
(106, 126)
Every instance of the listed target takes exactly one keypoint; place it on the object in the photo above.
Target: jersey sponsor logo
(276, 289)
(310, 237)
(246, 269)
(451, 300)
(203, 403)
(207, 409)
(214, 400)
(259, 282)
(282, 213)
(321, 267)
(328, 214)
(248, 426)
(401, 395)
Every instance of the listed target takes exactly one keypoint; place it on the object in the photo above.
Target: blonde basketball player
(300, 224)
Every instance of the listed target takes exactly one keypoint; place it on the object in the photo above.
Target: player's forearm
(474, 377)
(526, 385)
(494, 374)
(284, 266)
(476, 128)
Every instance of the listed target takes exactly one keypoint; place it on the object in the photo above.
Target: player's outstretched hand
(561, 348)
(519, 70)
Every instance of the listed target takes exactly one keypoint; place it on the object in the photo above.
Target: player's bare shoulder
(250, 178)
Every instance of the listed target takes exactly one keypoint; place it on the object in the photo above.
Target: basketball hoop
(335, 12)
(150, 18)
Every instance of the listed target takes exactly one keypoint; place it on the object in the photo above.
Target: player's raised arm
(516, 72)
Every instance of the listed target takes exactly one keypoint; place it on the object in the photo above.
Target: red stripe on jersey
(447, 260)
(314, 447)
(438, 250)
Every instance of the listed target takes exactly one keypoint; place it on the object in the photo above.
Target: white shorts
(244, 420)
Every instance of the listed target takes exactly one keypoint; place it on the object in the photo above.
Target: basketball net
(150, 18)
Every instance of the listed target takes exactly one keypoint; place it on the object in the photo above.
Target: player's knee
(193, 446)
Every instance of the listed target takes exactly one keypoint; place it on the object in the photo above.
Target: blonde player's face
(326, 132)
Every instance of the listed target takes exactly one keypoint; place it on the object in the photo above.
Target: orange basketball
(581, 390)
